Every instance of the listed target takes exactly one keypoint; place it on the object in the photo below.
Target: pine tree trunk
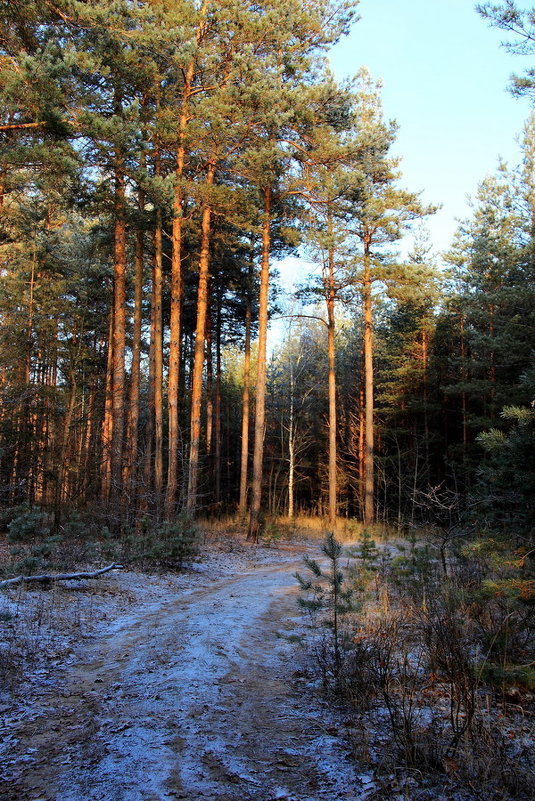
(61, 484)
(158, 364)
(175, 322)
(362, 448)
(425, 360)
(119, 337)
(107, 422)
(291, 444)
(133, 409)
(85, 475)
(209, 387)
(152, 469)
(245, 405)
(331, 356)
(217, 465)
(260, 406)
(464, 374)
(149, 426)
(369, 489)
(198, 363)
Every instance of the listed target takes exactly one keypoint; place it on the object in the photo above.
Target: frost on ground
(166, 687)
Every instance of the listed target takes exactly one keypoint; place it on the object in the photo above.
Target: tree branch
(60, 576)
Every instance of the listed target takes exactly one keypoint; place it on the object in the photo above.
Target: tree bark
(369, 478)
(260, 406)
(158, 363)
(119, 322)
(331, 357)
(175, 323)
(107, 422)
(218, 370)
(245, 402)
(50, 577)
(133, 408)
(198, 363)
(209, 387)
(291, 443)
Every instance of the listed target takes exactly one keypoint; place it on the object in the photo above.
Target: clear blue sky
(445, 80)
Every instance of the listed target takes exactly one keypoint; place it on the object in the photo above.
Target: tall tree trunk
(107, 422)
(331, 357)
(492, 366)
(260, 406)
(464, 374)
(425, 364)
(291, 443)
(158, 364)
(61, 484)
(198, 363)
(175, 322)
(133, 408)
(119, 322)
(149, 427)
(218, 368)
(245, 401)
(362, 448)
(86, 476)
(209, 387)
(369, 511)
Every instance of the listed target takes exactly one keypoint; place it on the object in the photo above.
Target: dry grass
(300, 527)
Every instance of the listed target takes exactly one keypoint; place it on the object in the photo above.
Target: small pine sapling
(367, 550)
(327, 594)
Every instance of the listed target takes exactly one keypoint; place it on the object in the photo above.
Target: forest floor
(138, 687)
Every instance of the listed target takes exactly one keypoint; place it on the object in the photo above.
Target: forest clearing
(215, 683)
(189, 688)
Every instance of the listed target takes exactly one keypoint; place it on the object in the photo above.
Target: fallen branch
(60, 576)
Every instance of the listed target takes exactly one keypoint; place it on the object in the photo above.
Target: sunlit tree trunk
(217, 464)
(133, 409)
(209, 387)
(362, 449)
(175, 322)
(176, 288)
(331, 357)
(198, 363)
(107, 422)
(158, 363)
(119, 322)
(245, 404)
(369, 512)
(260, 405)
(291, 443)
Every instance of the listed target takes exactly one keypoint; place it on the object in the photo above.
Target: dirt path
(196, 696)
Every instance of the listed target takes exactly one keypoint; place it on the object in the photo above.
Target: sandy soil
(188, 687)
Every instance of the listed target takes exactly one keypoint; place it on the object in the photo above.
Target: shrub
(29, 523)
(169, 545)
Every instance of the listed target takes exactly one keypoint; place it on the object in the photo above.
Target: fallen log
(47, 578)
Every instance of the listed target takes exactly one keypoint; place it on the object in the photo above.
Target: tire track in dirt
(198, 697)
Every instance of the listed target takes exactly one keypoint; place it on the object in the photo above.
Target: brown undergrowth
(433, 669)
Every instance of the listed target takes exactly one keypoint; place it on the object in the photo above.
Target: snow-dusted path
(197, 695)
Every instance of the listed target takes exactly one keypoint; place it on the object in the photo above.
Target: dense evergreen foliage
(155, 158)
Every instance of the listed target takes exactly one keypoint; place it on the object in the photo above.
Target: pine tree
(380, 213)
